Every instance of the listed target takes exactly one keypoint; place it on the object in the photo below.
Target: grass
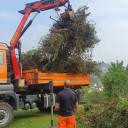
(32, 119)
(36, 119)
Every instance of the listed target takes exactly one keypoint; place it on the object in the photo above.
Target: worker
(65, 104)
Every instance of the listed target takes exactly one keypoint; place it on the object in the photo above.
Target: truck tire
(6, 114)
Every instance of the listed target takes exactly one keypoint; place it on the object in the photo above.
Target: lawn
(35, 119)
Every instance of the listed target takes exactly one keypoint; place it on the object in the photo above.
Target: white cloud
(103, 8)
(112, 26)
(5, 15)
(114, 41)
(78, 3)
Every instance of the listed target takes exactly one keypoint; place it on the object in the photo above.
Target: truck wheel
(6, 114)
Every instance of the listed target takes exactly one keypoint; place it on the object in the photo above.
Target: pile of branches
(69, 45)
(112, 114)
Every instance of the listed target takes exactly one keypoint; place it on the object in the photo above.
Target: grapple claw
(68, 15)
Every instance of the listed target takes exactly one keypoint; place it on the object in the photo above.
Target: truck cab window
(1, 58)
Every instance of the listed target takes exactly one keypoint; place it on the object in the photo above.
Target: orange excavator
(30, 89)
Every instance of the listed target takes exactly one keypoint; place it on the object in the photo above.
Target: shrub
(122, 103)
(110, 115)
(94, 97)
(116, 81)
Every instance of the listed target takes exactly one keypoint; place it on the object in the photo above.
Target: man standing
(65, 104)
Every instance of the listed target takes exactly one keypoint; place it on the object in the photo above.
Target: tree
(116, 81)
(30, 60)
(68, 47)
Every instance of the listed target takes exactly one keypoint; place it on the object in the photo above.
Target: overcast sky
(110, 16)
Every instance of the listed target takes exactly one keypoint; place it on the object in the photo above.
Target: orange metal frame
(58, 78)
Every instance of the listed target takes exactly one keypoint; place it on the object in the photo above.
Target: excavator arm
(30, 7)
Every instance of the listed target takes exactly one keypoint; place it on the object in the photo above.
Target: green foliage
(87, 107)
(120, 109)
(96, 80)
(116, 81)
(31, 60)
(105, 115)
(93, 96)
(122, 103)
(112, 114)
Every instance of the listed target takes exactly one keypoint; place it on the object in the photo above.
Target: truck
(31, 88)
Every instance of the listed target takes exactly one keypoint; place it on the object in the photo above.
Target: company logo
(26, 15)
(14, 37)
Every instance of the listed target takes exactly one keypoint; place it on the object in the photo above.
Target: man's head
(67, 84)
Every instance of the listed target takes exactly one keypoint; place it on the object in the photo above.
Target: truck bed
(37, 77)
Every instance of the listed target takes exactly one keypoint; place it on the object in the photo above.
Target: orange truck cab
(4, 64)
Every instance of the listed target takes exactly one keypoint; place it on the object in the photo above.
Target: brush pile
(68, 46)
